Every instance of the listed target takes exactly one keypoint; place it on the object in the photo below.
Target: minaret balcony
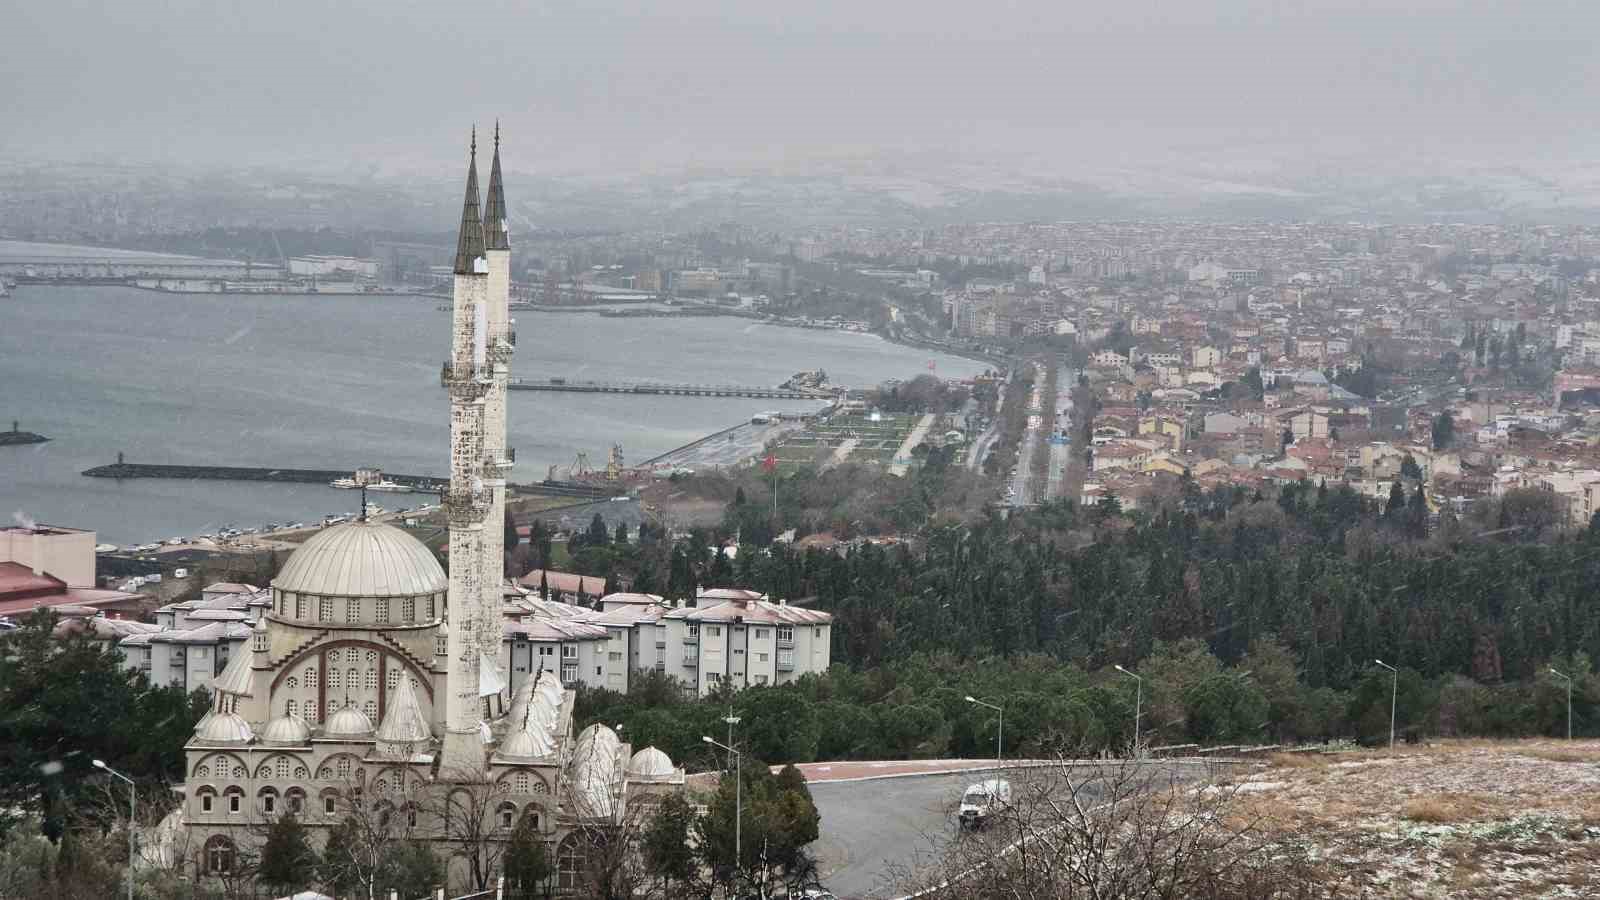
(497, 466)
(467, 507)
(464, 382)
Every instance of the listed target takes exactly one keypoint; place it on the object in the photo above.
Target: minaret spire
(495, 236)
(469, 246)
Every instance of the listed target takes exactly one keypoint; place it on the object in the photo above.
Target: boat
(105, 548)
(343, 484)
(393, 487)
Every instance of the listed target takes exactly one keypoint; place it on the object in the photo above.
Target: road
(980, 447)
(1061, 454)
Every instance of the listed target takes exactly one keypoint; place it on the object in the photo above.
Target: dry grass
(1299, 760)
(1444, 808)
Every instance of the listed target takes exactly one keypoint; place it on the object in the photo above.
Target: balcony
(661, 645)
(785, 662)
(691, 659)
(691, 639)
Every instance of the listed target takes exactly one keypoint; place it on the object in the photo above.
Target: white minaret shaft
(497, 249)
(467, 501)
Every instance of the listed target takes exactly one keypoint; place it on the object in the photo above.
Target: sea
(338, 382)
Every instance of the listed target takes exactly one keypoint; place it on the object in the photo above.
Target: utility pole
(738, 801)
(1138, 705)
(1568, 680)
(1000, 732)
(133, 798)
(1394, 692)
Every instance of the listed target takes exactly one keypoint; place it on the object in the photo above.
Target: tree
(1397, 501)
(620, 538)
(527, 866)
(288, 863)
(1444, 430)
(596, 535)
(1410, 469)
(1252, 380)
(669, 854)
(467, 814)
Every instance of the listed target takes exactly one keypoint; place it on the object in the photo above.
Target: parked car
(983, 800)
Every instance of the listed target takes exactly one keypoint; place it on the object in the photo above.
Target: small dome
(225, 728)
(651, 763)
(286, 730)
(527, 743)
(550, 688)
(594, 772)
(348, 722)
(362, 559)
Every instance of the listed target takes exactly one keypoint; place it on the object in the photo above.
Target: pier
(422, 484)
(16, 436)
(680, 390)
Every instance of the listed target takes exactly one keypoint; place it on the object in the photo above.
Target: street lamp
(133, 797)
(732, 720)
(1138, 704)
(1568, 680)
(738, 798)
(1394, 692)
(1000, 733)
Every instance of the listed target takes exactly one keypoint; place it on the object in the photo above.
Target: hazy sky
(602, 86)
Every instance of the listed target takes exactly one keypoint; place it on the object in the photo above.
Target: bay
(340, 382)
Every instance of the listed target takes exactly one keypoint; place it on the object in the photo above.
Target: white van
(983, 800)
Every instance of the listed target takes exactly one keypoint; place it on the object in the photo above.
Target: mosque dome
(527, 743)
(362, 559)
(286, 730)
(348, 722)
(224, 728)
(651, 763)
(594, 771)
(550, 688)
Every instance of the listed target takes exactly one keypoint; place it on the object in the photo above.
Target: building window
(352, 678)
(508, 815)
(311, 712)
(289, 706)
(411, 816)
(342, 767)
(761, 657)
(408, 610)
(382, 616)
(371, 709)
(291, 682)
(520, 782)
(327, 804)
(269, 801)
(392, 678)
(282, 767)
(235, 800)
(694, 629)
(614, 656)
(372, 679)
(206, 800)
(569, 673)
(569, 651)
(786, 658)
(325, 609)
(546, 650)
(713, 678)
(333, 677)
(333, 656)
(761, 679)
(569, 864)
(713, 631)
(352, 611)
(761, 633)
(817, 632)
(786, 634)
(219, 854)
(297, 800)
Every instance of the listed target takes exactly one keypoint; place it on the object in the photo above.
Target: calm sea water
(338, 382)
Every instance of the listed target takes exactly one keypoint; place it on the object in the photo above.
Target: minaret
(497, 458)
(467, 375)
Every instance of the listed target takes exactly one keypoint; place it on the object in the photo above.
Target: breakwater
(14, 438)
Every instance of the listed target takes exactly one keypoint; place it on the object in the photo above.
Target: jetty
(16, 436)
(422, 484)
(680, 390)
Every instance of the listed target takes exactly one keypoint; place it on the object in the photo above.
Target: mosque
(372, 686)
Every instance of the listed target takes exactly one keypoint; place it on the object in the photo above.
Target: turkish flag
(770, 463)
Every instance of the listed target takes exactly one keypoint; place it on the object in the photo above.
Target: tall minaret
(468, 376)
(497, 459)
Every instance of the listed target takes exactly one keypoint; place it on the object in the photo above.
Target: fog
(600, 86)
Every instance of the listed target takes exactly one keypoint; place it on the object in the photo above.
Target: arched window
(330, 802)
(507, 815)
(268, 799)
(289, 706)
(296, 800)
(325, 609)
(531, 816)
(392, 678)
(569, 863)
(353, 678)
(333, 678)
(281, 767)
(521, 782)
(352, 611)
(342, 767)
(235, 799)
(219, 854)
(208, 799)
(370, 707)
(408, 610)
(382, 616)
(372, 679)
(411, 815)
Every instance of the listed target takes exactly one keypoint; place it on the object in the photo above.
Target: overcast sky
(600, 86)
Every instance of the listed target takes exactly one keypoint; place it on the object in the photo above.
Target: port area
(850, 437)
(725, 449)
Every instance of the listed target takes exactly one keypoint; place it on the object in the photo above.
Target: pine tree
(287, 861)
(527, 866)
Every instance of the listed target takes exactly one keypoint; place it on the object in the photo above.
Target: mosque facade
(373, 686)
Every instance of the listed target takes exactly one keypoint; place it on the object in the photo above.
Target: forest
(1246, 618)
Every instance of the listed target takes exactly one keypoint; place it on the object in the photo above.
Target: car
(979, 802)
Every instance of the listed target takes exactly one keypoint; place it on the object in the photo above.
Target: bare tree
(1119, 829)
(464, 807)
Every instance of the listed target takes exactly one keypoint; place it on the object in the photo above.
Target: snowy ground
(1473, 819)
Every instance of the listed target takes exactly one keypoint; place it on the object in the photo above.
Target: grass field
(874, 441)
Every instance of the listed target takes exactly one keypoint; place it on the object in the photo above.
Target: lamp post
(133, 798)
(1138, 704)
(1394, 692)
(738, 799)
(1000, 732)
(1568, 680)
(732, 720)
